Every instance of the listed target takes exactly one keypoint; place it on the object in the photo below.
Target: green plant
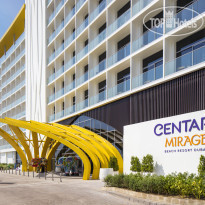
(113, 163)
(182, 184)
(135, 164)
(201, 167)
(148, 163)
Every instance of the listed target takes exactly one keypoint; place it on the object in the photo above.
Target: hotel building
(101, 64)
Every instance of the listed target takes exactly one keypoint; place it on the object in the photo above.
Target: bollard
(28, 172)
(9, 171)
(60, 177)
(16, 172)
(6, 170)
(39, 174)
(33, 174)
(24, 173)
(12, 171)
(45, 175)
(19, 172)
(52, 176)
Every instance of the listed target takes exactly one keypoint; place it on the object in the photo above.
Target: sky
(8, 10)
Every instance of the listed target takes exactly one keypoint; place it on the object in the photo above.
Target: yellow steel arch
(39, 129)
(45, 147)
(101, 152)
(87, 147)
(106, 143)
(50, 153)
(15, 145)
(22, 140)
(35, 144)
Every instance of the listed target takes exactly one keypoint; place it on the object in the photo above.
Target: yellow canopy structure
(48, 136)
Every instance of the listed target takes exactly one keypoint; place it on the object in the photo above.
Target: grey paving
(20, 190)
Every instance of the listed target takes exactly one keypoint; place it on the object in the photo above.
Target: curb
(150, 199)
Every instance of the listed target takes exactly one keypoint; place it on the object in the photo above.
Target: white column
(35, 35)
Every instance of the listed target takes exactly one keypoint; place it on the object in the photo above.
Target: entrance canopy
(44, 138)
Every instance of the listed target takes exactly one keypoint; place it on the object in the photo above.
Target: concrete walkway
(15, 189)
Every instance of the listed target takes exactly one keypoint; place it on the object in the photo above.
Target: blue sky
(8, 10)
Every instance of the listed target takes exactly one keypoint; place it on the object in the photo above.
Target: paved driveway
(72, 191)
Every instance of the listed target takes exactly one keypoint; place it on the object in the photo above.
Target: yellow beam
(39, 129)
(35, 144)
(15, 145)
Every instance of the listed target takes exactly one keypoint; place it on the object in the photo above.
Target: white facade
(64, 17)
(173, 149)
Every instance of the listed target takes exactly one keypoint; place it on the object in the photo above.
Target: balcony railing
(82, 79)
(70, 63)
(119, 22)
(51, 98)
(97, 69)
(98, 98)
(70, 87)
(187, 60)
(60, 49)
(51, 57)
(15, 60)
(59, 6)
(70, 110)
(51, 17)
(59, 93)
(147, 38)
(48, 2)
(119, 88)
(82, 26)
(12, 91)
(147, 77)
(119, 55)
(51, 118)
(70, 15)
(59, 114)
(139, 5)
(13, 76)
(82, 53)
(69, 40)
(13, 104)
(82, 105)
(51, 37)
(98, 10)
(98, 39)
(186, 14)
(79, 4)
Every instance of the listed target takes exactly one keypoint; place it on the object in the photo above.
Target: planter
(115, 173)
(104, 172)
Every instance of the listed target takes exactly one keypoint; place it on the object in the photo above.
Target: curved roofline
(16, 28)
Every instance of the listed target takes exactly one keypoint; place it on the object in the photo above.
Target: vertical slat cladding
(182, 95)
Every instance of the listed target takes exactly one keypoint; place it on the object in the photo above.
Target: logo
(173, 18)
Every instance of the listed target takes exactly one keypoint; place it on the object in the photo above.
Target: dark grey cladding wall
(181, 95)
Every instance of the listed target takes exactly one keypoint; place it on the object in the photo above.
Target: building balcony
(185, 61)
(79, 4)
(51, 57)
(70, 87)
(11, 78)
(69, 40)
(59, 50)
(59, 114)
(14, 104)
(82, 53)
(70, 15)
(51, 98)
(139, 5)
(82, 26)
(59, 93)
(82, 105)
(15, 89)
(147, 77)
(59, 6)
(186, 14)
(147, 38)
(82, 79)
(119, 88)
(97, 69)
(119, 55)
(20, 55)
(51, 17)
(119, 22)
(98, 10)
(98, 98)
(97, 40)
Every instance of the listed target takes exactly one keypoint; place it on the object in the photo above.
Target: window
(102, 28)
(63, 106)
(123, 47)
(123, 9)
(86, 72)
(73, 103)
(102, 90)
(123, 80)
(86, 98)
(102, 61)
(153, 67)
(63, 84)
(54, 110)
(86, 20)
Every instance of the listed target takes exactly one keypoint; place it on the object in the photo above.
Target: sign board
(175, 143)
